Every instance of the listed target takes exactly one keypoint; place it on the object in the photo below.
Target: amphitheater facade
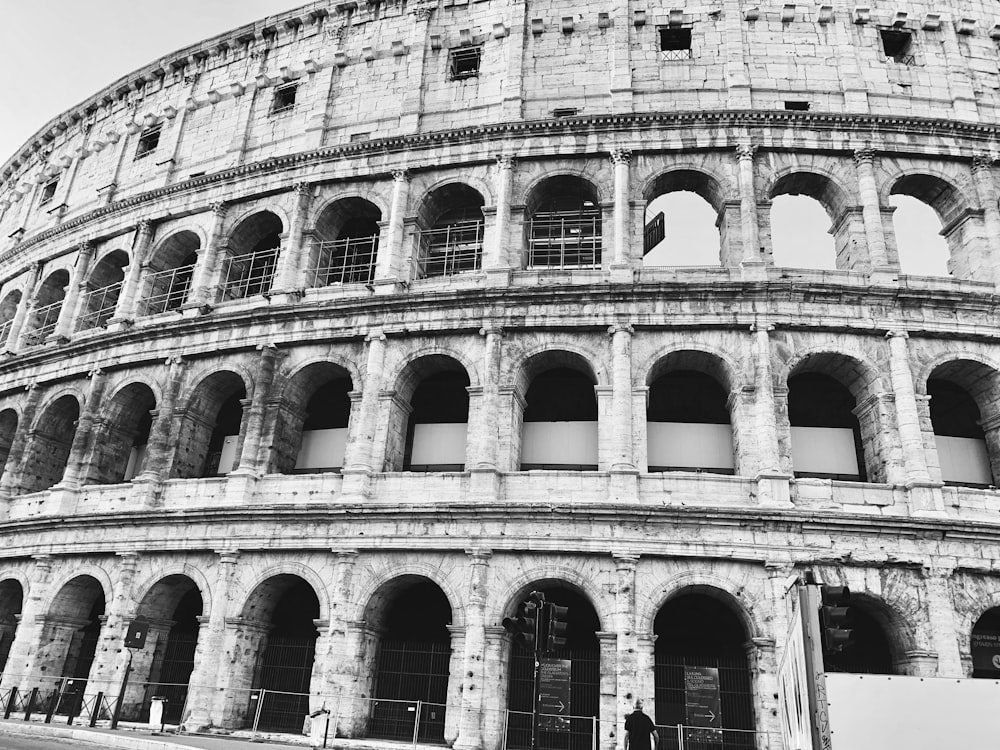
(328, 339)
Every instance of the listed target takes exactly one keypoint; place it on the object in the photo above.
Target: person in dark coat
(640, 731)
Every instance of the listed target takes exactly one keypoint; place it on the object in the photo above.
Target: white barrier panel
(439, 444)
(879, 712)
(824, 450)
(699, 446)
(559, 443)
(964, 460)
(322, 449)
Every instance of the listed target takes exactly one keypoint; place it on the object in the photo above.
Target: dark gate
(407, 672)
(175, 672)
(286, 667)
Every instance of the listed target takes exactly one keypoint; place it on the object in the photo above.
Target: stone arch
(68, 637)
(187, 570)
(532, 361)
(8, 309)
(347, 232)
(246, 591)
(9, 421)
(589, 174)
(699, 179)
(88, 569)
(685, 219)
(743, 603)
(936, 188)
(841, 249)
(898, 632)
(518, 587)
(210, 432)
(379, 578)
(47, 306)
(122, 433)
(413, 366)
(266, 216)
(851, 369)
(451, 227)
(712, 361)
(563, 222)
(251, 253)
(12, 597)
(167, 279)
(371, 196)
(51, 439)
(473, 182)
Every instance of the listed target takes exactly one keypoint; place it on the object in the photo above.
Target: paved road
(8, 742)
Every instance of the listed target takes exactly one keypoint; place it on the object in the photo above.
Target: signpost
(553, 695)
(135, 638)
(703, 703)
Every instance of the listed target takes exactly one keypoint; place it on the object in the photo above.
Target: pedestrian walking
(640, 731)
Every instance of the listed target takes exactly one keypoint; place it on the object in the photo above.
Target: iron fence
(5, 331)
(554, 732)
(248, 275)
(167, 290)
(99, 306)
(44, 319)
(347, 261)
(564, 241)
(450, 250)
(680, 737)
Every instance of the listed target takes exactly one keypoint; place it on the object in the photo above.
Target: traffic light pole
(809, 604)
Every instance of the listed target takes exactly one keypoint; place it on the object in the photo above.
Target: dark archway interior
(561, 395)
(329, 407)
(8, 429)
(11, 601)
(81, 599)
(227, 425)
(985, 645)
(687, 396)
(817, 400)
(870, 652)
(953, 411)
(347, 242)
(173, 660)
(46, 461)
(583, 652)
(698, 632)
(441, 398)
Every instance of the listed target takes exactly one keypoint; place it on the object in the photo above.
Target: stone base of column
(753, 269)
(195, 309)
(56, 338)
(773, 490)
(386, 286)
(64, 499)
(623, 485)
(358, 484)
(621, 99)
(855, 100)
(621, 273)
(285, 296)
(498, 277)
(918, 664)
(119, 324)
(241, 486)
(926, 498)
(147, 491)
(883, 276)
(484, 483)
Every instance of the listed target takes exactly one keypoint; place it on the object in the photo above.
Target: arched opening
(582, 651)
(412, 661)
(564, 224)
(171, 267)
(102, 291)
(8, 309)
(803, 207)
(251, 257)
(210, 430)
(438, 424)
(871, 652)
(279, 636)
(966, 256)
(451, 231)
(560, 417)
(8, 429)
(921, 249)
(11, 601)
(701, 645)
(346, 243)
(687, 422)
(985, 646)
(120, 451)
(68, 640)
(682, 226)
(825, 432)
(46, 457)
(48, 304)
(313, 440)
(171, 608)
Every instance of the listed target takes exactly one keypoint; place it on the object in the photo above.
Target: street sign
(986, 652)
(703, 703)
(553, 695)
(135, 636)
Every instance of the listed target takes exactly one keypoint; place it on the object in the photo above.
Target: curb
(90, 737)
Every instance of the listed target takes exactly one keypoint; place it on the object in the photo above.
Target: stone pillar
(627, 671)
(456, 682)
(11, 477)
(496, 262)
(22, 657)
(250, 455)
(84, 432)
(13, 343)
(496, 666)
(871, 211)
(772, 482)
(361, 645)
(125, 309)
(621, 382)
(608, 711)
(620, 158)
(331, 672)
(473, 675)
(159, 447)
(69, 312)
(982, 173)
(209, 654)
(288, 272)
(111, 656)
(764, 684)
(387, 266)
(748, 204)
(358, 466)
(645, 675)
(207, 267)
(484, 425)
(946, 637)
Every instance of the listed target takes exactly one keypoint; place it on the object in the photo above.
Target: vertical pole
(31, 703)
(538, 678)
(593, 733)
(416, 724)
(11, 702)
(121, 693)
(95, 711)
(680, 737)
(815, 674)
(256, 716)
(54, 701)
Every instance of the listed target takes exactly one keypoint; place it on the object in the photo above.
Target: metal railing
(564, 241)
(5, 331)
(557, 732)
(99, 306)
(248, 275)
(347, 261)
(44, 320)
(167, 290)
(681, 737)
(450, 250)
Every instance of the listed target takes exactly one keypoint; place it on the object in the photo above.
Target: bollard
(74, 706)
(31, 703)
(53, 702)
(11, 702)
(96, 710)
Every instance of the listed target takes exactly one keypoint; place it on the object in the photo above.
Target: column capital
(505, 161)
(86, 247)
(144, 226)
(620, 156)
(625, 561)
(345, 554)
(175, 359)
(95, 373)
(219, 208)
(745, 151)
(621, 328)
(765, 327)
(401, 175)
(479, 556)
(864, 156)
(375, 336)
(228, 556)
(897, 334)
(983, 162)
(302, 189)
(491, 329)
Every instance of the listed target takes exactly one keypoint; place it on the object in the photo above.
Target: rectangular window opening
(896, 45)
(284, 98)
(675, 43)
(797, 106)
(565, 112)
(49, 191)
(148, 141)
(464, 62)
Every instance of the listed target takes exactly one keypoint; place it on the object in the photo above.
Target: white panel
(964, 460)
(439, 444)
(322, 449)
(704, 446)
(824, 450)
(228, 457)
(135, 459)
(559, 443)
(879, 712)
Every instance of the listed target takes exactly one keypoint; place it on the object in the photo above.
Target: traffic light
(524, 627)
(834, 618)
(555, 631)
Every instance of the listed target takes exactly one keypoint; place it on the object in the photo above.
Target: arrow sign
(703, 702)
(553, 695)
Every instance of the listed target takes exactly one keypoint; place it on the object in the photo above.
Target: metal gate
(406, 672)
(175, 672)
(285, 665)
(584, 697)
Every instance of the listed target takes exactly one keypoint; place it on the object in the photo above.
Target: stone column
(473, 675)
(331, 673)
(764, 684)
(69, 312)
(608, 711)
(871, 211)
(84, 432)
(496, 262)
(207, 267)
(620, 158)
(484, 427)
(22, 657)
(456, 682)
(748, 204)
(387, 266)
(209, 654)
(13, 342)
(250, 458)
(943, 625)
(627, 671)
(358, 454)
(125, 309)
(287, 274)
(621, 381)
(982, 172)
(108, 669)
(772, 482)
(159, 448)
(645, 676)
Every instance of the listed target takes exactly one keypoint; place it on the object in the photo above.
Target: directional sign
(135, 636)
(986, 652)
(553, 695)
(703, 702)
